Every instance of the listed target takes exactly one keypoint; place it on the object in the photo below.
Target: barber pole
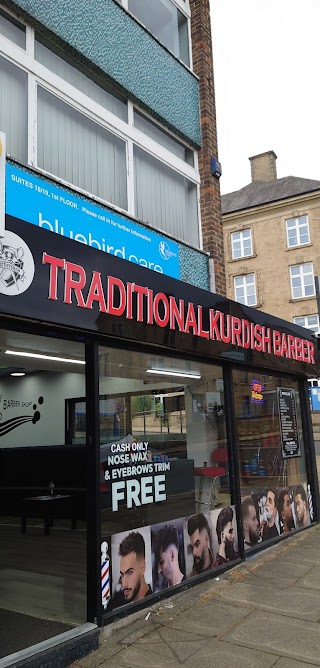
(105, 575)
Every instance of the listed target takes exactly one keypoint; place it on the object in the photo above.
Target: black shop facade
(153, 434)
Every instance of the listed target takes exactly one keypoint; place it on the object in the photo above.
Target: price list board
(288, 423)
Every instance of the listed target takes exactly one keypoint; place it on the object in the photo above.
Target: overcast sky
(267, 81)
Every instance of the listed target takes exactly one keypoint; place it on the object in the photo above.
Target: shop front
(157, 433)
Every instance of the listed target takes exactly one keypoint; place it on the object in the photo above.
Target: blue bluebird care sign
(53, 208)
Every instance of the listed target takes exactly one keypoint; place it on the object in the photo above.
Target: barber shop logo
(16, 265)
(164, 250)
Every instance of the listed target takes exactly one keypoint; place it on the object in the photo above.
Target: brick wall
(210, 204)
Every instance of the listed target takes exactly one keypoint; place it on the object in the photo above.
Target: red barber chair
(219, 459)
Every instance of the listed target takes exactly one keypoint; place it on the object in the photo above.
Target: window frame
(39, 75)
(240, 232)
(302, 275)
(296, 227)
(306, 326)
(15, 21)
(245, 277)
(184, 7)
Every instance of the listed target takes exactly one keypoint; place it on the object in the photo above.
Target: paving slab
(173, 643)
(293, 638)
(211, 654)
(289, 663)
(120, 638)
(293, 602)
(282, 572)
(210, 618)
(312, 579)
(301, 554)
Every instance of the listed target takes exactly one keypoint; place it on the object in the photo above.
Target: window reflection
(164, 474)
(274, 488)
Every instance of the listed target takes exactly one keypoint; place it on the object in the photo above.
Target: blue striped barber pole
(105, 575)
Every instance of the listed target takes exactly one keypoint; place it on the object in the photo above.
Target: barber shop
(152, 433)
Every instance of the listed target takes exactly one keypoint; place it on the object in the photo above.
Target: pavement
(263, 613)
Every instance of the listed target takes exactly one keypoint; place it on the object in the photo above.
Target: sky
(266, 57)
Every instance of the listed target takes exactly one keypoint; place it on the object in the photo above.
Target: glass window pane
(292, 238)
(183, 38)
(44, 499)
(80, 151)
(79, 80)
(236, 252)
(308, 279)
(273, 502)
(298, 231)
(165, 199)
(157, 134)
(309, 290)
(241, 244)
(160, 437)
(166, 22)
(12, 29)
(14, 109)
(295, 271)
(296, 281)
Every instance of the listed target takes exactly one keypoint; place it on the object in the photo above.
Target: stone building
(272, 247)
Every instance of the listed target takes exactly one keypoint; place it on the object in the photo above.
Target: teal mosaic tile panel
(115, 43)
(194, 267)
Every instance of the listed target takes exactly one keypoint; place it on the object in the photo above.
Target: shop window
(297, 231)
(241, 244)
(14, 108)
(164, 474)
(302, 280)
(76, 149)
(42, 489)
(165, 199)
(275, 493)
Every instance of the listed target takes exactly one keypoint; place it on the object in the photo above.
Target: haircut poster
(139, 562)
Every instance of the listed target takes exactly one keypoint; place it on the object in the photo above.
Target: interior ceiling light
(43, 357)
(17, 373)
(180, 374)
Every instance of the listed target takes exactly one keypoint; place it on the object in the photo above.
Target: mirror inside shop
(167, 514)
(275, 494)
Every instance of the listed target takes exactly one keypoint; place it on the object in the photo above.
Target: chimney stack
(263, 166)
